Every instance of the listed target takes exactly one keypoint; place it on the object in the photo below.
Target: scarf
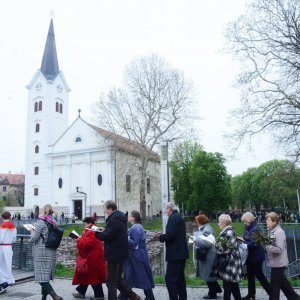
(48, 219)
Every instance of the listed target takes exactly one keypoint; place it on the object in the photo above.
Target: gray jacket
(44, 259)
(277, 253)
(204, 268)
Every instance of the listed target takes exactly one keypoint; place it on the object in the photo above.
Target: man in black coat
(176, 253)
(115, 251)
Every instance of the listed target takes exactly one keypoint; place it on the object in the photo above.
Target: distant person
(44, 259)
(278, 260)
(62, 215)
(8, 235)
(90, 248)
(95, 217)
(115, 251)
(255, 259)
(137, 269)
(176, 253)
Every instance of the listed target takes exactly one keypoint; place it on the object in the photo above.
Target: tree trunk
(143, 171)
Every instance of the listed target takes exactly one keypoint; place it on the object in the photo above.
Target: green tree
(1, 206)
(180, 172)
(241, 186)
(210, 182)
(278, 182)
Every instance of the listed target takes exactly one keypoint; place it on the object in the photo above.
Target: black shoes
(249, 297)
(210, 297)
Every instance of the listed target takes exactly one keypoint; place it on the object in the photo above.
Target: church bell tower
(47, 119)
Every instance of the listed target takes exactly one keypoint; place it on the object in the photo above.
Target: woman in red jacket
(91, 248)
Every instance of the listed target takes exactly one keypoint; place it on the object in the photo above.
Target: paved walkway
(63, 287)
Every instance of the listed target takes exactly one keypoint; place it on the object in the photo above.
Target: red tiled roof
(13, 179)
(126, 144)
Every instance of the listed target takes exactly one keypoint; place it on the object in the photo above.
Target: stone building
(12, 189)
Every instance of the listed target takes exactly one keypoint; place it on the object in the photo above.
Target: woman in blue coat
(256, 256)
(137, 269)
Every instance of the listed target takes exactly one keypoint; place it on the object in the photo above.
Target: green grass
(61, 271)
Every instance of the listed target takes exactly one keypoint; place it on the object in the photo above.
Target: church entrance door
(78, 209)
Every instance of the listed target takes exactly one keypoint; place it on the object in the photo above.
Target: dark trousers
(280, 282)
(98, 290)
(231, 288)
(255, 270)
(46, 288)
(148, 293)
(175, 280)
(213, 288)
(114, 282)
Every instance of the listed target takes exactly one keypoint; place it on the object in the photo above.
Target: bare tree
(267, 41)
(153, 105)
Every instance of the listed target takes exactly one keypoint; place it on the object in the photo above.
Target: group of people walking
(221, 258)
(123, 263)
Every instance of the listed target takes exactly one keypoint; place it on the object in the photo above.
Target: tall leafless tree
(266, 39)
(153, 105)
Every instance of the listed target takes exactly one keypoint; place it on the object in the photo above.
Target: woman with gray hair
(256, 256)
(230, 270)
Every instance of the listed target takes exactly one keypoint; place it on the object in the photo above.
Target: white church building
(77, 167)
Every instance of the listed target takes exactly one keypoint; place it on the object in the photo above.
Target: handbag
(55, 235)
(201, 254)
(81, 263)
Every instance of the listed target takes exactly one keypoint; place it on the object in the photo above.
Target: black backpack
(55, 235)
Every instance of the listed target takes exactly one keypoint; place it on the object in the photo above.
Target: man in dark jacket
(115, 251)
(176, 253)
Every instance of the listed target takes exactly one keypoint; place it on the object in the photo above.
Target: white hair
(225, 219)
(248, 217)
(171, 205)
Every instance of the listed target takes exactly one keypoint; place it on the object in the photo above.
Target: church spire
(49, 66)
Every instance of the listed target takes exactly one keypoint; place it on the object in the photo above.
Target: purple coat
(137, 269)
(256, 253)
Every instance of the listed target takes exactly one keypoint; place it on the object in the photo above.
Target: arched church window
(40, 105)
(78, 139)
(37, 127)
(56, 106)
(60, 183)
(36, 149)
(35, 106)
(99, 179)
(36, 191)
(60, 108)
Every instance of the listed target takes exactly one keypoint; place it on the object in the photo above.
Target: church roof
(12, 179)
(126, 144)
(49, 66)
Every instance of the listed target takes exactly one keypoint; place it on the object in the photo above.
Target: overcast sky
(95, 39)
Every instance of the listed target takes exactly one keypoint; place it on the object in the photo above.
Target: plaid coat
(44, 259)
(233, 271)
